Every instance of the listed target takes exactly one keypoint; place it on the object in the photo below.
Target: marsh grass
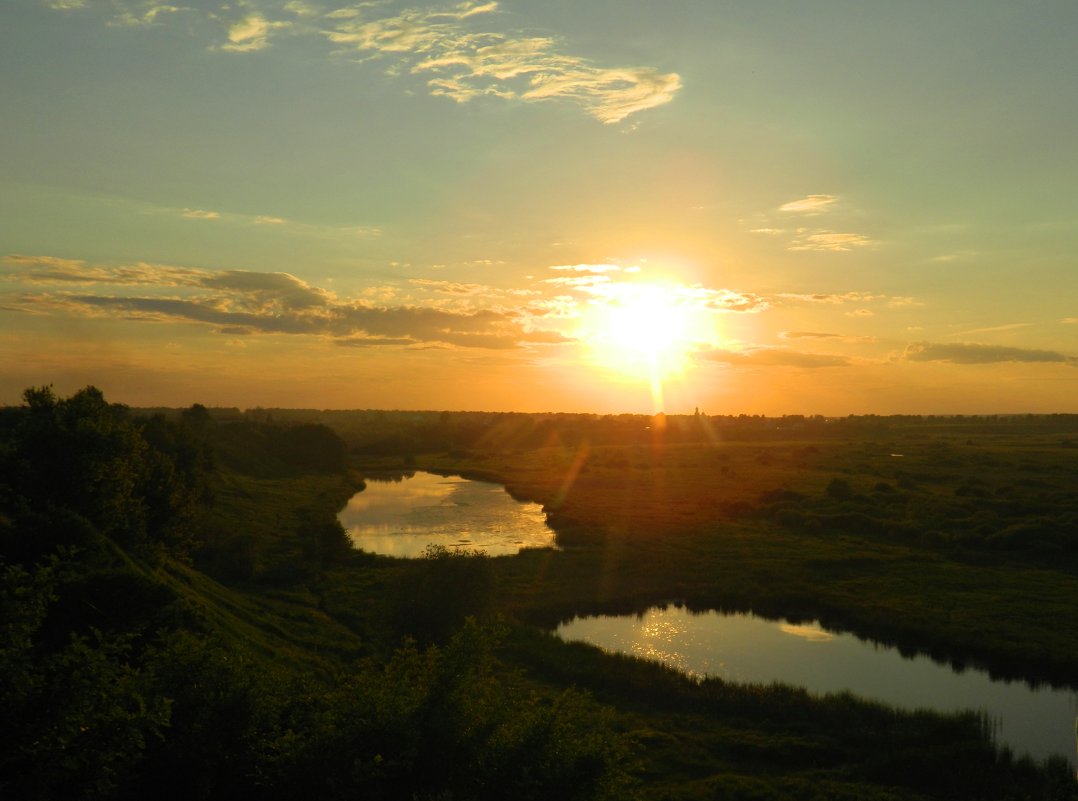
(762, 527)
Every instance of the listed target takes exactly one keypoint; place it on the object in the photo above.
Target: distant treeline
(400, 433)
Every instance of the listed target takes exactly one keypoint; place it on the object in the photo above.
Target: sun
(643, 331)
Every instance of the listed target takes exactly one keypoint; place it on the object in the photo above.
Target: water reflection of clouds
(420, 490)
(743, 648)
(807, 631)
(403, 518)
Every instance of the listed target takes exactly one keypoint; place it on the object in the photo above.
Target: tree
(80, 468)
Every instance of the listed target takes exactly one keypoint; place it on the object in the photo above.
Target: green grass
(701, 523)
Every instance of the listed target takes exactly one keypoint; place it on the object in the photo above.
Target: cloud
(52, 270)
(971, 353)
(955, 256)
(860, 313)
(832, 297)
(465, 63)
(808, 335)
(251, 33)
(562, 307)
(268, 290)
(300, 8)
(292, 226)
(545, 337)
(727, 300)
(142, 14)
(580, 282)
(373, 342)
(588, 268)
(993, 329)
(250, 302)
(811, 204)
(829, 241)
(454, 48)
(823, 335)
(452, 287)
(609, 95)
(1069, 320)
(461, 289)
(773, 357)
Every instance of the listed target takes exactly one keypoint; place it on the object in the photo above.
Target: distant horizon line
(794, 416)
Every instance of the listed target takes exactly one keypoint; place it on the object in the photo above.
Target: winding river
(402, 514)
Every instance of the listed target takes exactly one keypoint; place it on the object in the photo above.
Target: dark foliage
(78, 469)
(436, 594)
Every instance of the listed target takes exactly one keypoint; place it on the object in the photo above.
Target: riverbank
(741, 526)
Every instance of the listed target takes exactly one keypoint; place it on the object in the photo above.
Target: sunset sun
(644, 331)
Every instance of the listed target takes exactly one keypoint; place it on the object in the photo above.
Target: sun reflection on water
(662, 639)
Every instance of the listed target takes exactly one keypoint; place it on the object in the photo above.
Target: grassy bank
(872, 537)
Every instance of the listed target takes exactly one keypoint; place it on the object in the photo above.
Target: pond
(403, 514)
(745, 648)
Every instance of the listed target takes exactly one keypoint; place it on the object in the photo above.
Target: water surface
(403, 515)
(746, 648)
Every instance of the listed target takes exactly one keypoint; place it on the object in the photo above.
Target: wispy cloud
(832, 297)
(994, 329)
(958, 255)
(450, 287)
(201, 214)
(142, 14)
(125, 13)
(829, 241)
(464, 62)
(773, 357)
(301, 9)
(811, 204)
(808, 238)
(457, 49)
(725, 300)
(819, 335)
(53, 270)
(594, 268)
(972, 353)
(581, 282)
(293, 226)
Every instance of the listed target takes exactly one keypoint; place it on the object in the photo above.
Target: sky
(743, 207)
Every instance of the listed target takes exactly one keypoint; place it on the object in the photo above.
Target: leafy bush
(436, 594)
